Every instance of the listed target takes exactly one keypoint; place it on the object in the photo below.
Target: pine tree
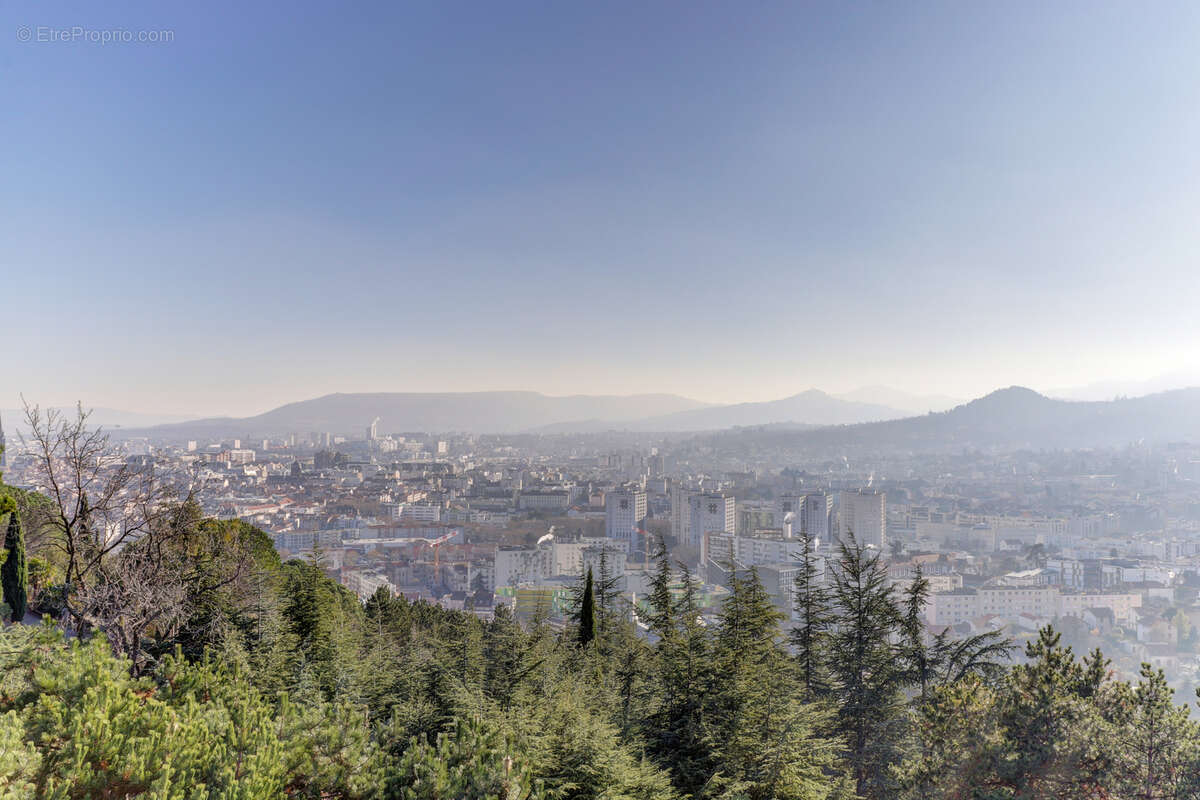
(1093, 672)
(949, 732)
(916, 653)
(661, 620)
(814, 616)
(867, 676)
(607, 600)
(1052, 735)
(474, 762)
(510, 657)
(85, 727)
(764, 741)
(574, 748)
(980, 656)
(675, 730)
(629, 673)
(1158, 748)
(13, 573)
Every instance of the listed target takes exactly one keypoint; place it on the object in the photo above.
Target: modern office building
(863, 512)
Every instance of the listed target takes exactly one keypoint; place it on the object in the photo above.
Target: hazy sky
(732, 201)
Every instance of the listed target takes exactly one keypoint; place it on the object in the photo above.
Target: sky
(727, 201)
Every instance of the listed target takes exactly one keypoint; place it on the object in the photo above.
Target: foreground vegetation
(191, 663)
(297, 689)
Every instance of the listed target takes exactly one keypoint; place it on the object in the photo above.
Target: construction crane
(436, 545)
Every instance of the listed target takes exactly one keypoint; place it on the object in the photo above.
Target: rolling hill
(474, 412)
(1013, 418)
(809, 408)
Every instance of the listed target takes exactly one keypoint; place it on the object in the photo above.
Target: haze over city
(725, 203)
(599, 400)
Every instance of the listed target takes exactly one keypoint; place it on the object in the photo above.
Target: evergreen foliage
(14, 575)
(867, 676)
(587, 612)
(814, 617)
(474, 762)
(274, 681)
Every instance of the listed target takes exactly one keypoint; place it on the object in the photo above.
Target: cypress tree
(587, 612)
(14, 575)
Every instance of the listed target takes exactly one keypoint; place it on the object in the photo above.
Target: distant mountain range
(472, 412)
(1010, 419)
(517, 412)
(1108, 390)
(813, 407)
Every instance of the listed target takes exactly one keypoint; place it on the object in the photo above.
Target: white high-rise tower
(863, 512)
(625, 515)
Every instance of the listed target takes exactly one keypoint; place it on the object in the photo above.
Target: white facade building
(1047, 602)
(365, 583)
(754, 551)
(420, 512)
(813, 514)
(709, 513)
(545, 500)
(517, 565)
(863, 512)
(681, 519)
(601, 559)
(624, 513)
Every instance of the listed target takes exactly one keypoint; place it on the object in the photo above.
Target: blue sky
(728, 201)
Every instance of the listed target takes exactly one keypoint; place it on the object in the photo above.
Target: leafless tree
(132, 600)
(99, 502)
(137, 562)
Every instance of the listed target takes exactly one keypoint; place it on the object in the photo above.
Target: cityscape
(600, 401)
(1101, 542)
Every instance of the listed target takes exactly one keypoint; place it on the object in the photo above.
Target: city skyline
(727, 205)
